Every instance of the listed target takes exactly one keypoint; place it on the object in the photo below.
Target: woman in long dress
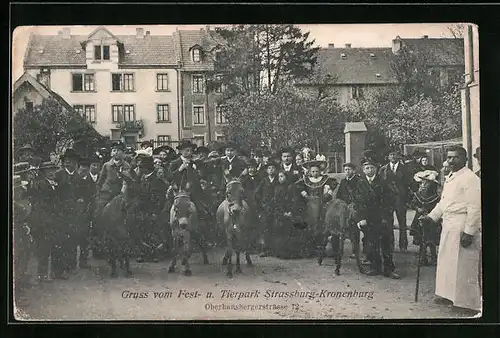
(316, 189)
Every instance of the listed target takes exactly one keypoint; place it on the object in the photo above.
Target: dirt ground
(92, 295)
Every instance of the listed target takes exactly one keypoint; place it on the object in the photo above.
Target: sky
(358, 35)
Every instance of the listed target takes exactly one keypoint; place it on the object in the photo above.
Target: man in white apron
(457, 276)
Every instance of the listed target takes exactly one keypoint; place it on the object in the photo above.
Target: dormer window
(101, 52)
(196, 55)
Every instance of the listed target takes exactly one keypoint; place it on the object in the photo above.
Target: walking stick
(420, 255)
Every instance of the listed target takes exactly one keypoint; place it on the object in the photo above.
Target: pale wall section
(145, 98)
(474, 94)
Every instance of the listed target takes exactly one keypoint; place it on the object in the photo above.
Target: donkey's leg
(126, 260)
(186, 252)
(339, 252)
(229, 256)
(238, 266)
(175, 253)
(202, 244)
(248, 259)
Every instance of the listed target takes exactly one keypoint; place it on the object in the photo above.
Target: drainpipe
(180, 114)
(468, 119)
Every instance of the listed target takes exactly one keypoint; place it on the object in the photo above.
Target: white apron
(457, 275)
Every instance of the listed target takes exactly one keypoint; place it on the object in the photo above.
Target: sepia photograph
(246, 172)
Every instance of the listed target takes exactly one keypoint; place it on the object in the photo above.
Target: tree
(50, 127)
(265, 57)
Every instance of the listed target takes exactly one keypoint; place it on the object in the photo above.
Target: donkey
(232, 217)
(184, 223)
(337, 220)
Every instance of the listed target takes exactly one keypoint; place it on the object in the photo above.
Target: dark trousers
(268, 230)
(380, 246)
(400, 209)
(63, 253)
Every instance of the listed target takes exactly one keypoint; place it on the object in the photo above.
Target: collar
(370, 179)
(315, 180)
(287, 167)
(148, 175)
(230, 159)
(70, 173)
(185, 159)
(271, 179)
(116, 162)
(350, 178)
(94, 177)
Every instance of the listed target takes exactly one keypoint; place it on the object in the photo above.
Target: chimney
(139, 33)
(207, 28)
(425, 37)
(331, 45)
(66, 33)
(148, 34)
(347, 45)
(396, 45)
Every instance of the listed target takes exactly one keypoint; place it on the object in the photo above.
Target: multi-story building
(201, 115)
(125, 85)
(136, 87)
(356, 73)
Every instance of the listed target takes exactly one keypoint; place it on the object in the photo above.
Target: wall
(188, 100)
(145, 97)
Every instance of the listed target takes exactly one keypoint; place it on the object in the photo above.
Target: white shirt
(461, 195)
(370, 179)
(394, 166)
(94, 177)
(287, 167)
(70, 173)
(230, 159)
(271, 179)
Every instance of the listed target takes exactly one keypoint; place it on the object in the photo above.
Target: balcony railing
(130, 126)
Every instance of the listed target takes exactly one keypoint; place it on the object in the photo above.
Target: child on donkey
(423, 201)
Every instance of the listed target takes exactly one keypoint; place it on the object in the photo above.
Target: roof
(43, 90)
(191, 38)
(356, 67)
(438, 51)
(354, 126)
(57, 51)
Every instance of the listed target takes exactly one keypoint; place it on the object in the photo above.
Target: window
(162, 82)
(220, 138)
(83, 82)
(198, 84)
(199, 140)
(219, 87)
(123, 112)
(220, 114)
(122, 82)
(162, 113)
(101, 52)
(28, 105)
(357, 92)
(454, 76)
(196, 55)
(198, 115)
(163, 139)
(86, 111)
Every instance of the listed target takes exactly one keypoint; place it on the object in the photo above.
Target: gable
(104, 35)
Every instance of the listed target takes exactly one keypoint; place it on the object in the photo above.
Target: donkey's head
(182, 209)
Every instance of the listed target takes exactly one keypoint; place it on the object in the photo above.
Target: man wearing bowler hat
(397, 177)
(44, 218)
(110, 181)
(71, 201)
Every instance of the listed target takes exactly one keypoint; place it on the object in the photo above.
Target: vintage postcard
(246, 172)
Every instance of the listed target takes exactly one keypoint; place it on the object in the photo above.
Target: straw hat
(429, 175)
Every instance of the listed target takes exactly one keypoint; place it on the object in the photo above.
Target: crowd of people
(288, 191)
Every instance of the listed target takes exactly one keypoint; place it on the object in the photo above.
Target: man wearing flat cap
(374, 218)
(398, 178)
(110, 181)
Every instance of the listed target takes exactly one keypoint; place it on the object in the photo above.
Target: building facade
(126, 86)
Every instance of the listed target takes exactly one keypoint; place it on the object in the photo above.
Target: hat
(118, 145)
(266, 153)
(230, 145)
(258, 153)
(478, 153)
(94, 159)
(26, 148)
(70, 153)
(21, 167)
(272, 164)
(429, 175)
(418, 154)
(146, 144)
(394, 151)
(350, 165)
(213, 154)
(315, 163)
(85, 161)
(147, 160)
(202, 150)
(185, 144)
(368, 160)
(17, 182)
(49, 165)
(130, 150)
(251, 162)
(142, 152)
(165, 148)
